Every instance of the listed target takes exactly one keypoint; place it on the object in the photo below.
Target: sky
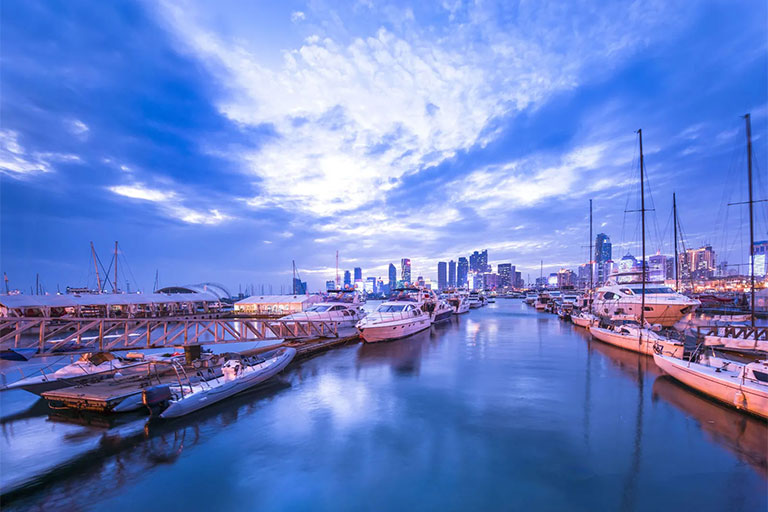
(219, 141)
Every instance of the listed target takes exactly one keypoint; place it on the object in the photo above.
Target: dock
(103, 396)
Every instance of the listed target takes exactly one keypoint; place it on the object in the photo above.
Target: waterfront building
(491, 281)
(697, 263)
(462, 272)
(442, 275)
(760, 250)
(392, 275)
(347, 279)
(452, 274)
(330, 285)
(566, 278)
(405, 270)
(519, 280)
(358, 274)
(506, 271)
(477, 281)
(277, 305)
(603, 254)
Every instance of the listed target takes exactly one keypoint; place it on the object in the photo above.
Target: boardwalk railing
(49, 335)
(743, 332)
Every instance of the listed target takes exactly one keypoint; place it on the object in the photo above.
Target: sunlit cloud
(170, 203)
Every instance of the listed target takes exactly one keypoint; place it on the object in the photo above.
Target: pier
(48, 335)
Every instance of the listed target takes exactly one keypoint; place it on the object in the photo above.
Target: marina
(499, 371)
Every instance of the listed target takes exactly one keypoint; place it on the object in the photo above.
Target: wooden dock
(105, 395)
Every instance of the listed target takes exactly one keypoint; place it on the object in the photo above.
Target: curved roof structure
(214, 288)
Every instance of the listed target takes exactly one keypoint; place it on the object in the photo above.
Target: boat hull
(442, 316)
(213, 395)
(632, 342)
(581, 322)
(723, 387)
(394, 330)
(664, 314)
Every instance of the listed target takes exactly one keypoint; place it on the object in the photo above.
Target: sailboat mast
(114, 285)
(96, 266)
(642, 217)
(338, 279)
(751, 220)
(674, 221)
(591, 256)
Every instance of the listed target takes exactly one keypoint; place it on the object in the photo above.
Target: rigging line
(130, 271)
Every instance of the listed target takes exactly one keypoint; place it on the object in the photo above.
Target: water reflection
(743, 434)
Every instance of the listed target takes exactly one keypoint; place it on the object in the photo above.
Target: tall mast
(114, 285)
(541, 273)
(338, 279)
(591, 256)
(674, 221)
(5, 278)
(96, 266)
(642, 216)
(751, 221)
(293, 283)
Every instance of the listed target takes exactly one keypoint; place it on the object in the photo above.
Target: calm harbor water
(502, 408)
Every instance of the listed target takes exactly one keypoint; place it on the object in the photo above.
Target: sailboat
(743, 385)
(630, 335)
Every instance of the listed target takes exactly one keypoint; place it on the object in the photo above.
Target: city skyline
(113, 138)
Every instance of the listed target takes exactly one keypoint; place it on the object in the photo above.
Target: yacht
(630, 336)
(475, 300)
(530, 298)
(583, 319)
(542, 299)
(663, 305)
(459, 301)
(341, 306)
(740, 385)
(401, 315)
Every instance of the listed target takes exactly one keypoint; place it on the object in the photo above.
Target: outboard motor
(156, 396)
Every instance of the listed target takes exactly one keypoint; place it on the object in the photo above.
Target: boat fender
(156, 395)
(740, 400)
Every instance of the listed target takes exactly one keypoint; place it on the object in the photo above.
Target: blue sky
(218, 141)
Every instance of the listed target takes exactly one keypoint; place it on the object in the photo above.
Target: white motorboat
(475, 300)
(630, 336)
(238, 375)
(341, 306)
(663, 305)
(459, 301)
(741, 385)
(441, 312)
(90, 367)
(400, 316)
(583, 319)
(542, 300)
(530, 298)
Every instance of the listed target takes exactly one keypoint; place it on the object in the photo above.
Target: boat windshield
(390, 308)
(662, 289)
(318, 309)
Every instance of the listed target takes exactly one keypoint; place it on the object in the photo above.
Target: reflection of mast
(628, 497)
(587, 394)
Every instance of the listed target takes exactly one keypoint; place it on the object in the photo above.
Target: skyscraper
(347, 279)
(299, 286)
(462, 272)
(603, 254)
(392, 276)
(442, 275)
(358, 274)
(330, 285)
(506, 273)
(451, 274)
(405, 270)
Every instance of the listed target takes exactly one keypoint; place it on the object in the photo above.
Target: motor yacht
(459, 301)
(476, 300)
(341, 306)
(542, 300)
(530, 298)
(401, 315)
(663, 305)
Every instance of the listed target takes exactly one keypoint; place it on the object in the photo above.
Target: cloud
(17, 162)
(78, 128)
(297, 16)
(170, 203)
(356, 117)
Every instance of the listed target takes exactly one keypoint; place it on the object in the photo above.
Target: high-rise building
(420, 281)
(491, 281)
(358, 274)
(330, 285)
(462, 272)
(760, 250)
(442, 275)
(657, 268)
(478, 262)
(370, 285)
(566, 278)
(519, 280)
(405, 270)
(299, 286)
(698, 263)
(392, 276)
(506, 273)
(603, 253)
(452, 274)
(347, 279)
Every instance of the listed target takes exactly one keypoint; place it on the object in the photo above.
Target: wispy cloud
(170, 203)
(17, 162)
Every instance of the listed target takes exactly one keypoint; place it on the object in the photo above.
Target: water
(501, 408)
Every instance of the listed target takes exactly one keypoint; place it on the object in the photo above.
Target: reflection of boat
(238, 375)
(745, 435)
(744, 386)
(90, 367)
(400, 316)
